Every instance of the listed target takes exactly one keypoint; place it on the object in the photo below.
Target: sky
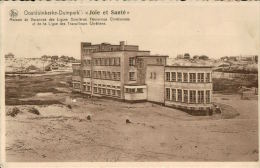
(214, 30)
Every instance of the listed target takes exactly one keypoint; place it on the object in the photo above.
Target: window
(179, 75)
(118, 92)
(102, 62)
(192, 77)
(131, 61)
(168, 76)
(200, 96)
(103, 91)
(104, 75)
(153, 75)
(173, 94)
(185, 95)
(118, 76)
(108, 75)
(108, 91)
(95, 74)
(208, 77)
(200, 77)
(174, 76)
(99, 74)
(140, 90)
(99, 90)
(168, 94)
(113, 92)
(131, 76)
(107, 61)
(179, 95)
(88, 88)
(117, 61)
(111, 61)
(95, 89)
(185, 77)
(192, 96)
(114, 75)
(208, 96)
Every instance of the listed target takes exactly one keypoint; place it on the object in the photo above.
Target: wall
(155, 86)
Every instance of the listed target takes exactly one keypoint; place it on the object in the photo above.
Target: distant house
(55, 58)
(52, 66)
(46, 58)
(203, 57)
(186, 56)
(32, 68)
(9, 56)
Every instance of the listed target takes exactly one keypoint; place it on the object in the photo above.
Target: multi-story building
(188, 87)
(127, 73)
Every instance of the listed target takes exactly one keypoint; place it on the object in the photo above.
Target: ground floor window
(118, 93)
(200, 96)
(179, 95)
(192, 96)
(95, 89)
(113, 92)
(99, 90)
(207, 96)
(140, 90)
(173, 94)
(108, 91)
(103, 91)
(76, 85)
(168, 93)
(88, 88)
(185, 96)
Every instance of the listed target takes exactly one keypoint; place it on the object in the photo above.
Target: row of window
(188, 77)
(112, 61)
(109, 92)
(107, 75)
(133, 90)
(188, 96)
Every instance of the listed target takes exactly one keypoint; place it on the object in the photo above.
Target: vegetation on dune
(16, 89)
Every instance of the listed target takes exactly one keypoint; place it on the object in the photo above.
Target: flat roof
(188, 66)
(123, 51)
(152, 56)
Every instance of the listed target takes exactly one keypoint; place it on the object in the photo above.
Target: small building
(52, 66)
(54, 58)
(9, 56)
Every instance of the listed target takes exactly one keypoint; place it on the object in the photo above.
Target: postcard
(129, 84)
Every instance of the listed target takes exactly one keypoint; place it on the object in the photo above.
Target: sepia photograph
(136, 82)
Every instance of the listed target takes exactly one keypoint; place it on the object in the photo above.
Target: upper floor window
(200, 77)
(174, 76)
(192, 77)
(185, 77)
(179, 74)
(168, 76)
(208, 77)
(131, 76)
(131, 61)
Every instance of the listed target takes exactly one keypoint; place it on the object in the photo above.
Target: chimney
(122, 45)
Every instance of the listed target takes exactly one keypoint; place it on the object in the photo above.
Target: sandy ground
(156, 133)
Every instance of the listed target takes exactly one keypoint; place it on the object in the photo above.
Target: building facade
(127, 73)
